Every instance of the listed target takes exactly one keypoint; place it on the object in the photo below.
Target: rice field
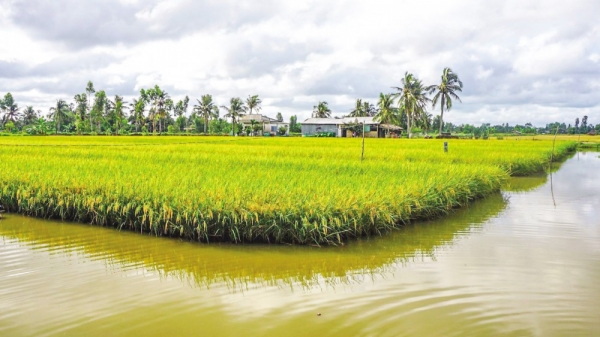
(279, 190)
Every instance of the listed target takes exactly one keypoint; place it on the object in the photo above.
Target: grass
(294, 190)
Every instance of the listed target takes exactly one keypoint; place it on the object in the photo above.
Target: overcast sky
(520, 60)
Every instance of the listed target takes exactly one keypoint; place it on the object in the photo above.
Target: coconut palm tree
(80, 110)
(321, 110)
(161, 105)
(387, 114)
(138, 106)
(254, 126)
(30, 116)
(180, 110)
(234, 110)
(153, 117)
(118, 113)
(369, 109)
(412, 99)
(359, 109)
(59, 113)
(206, 108)
(445, 92)
(99, 106)
(81, 106)
(425, 121)
(10, 109)
(89, 89)
(253, 104)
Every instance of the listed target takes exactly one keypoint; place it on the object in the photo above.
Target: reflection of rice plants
(244, 266)
(271, 190)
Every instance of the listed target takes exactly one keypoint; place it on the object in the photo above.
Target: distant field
(582, 138)
(293, 190)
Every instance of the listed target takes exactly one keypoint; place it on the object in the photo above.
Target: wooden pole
(362, 154)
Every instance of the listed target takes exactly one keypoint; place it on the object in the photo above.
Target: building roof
(340, 121)
(257, 117)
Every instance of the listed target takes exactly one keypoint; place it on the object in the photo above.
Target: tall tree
(207, 109)
(59, 113)
(279, 117)
(98, 108)
(294, 127)
(10, 109)
(369, 109)
(425, 121)
(118, 113)
(445, 92)
(80, 110)
(30, 116)
(137, 108)
(358, 110)
(89, 89)
(81, 106)
(161, 107)
(235, 110)
(321, 110)
(412, 99)
(387, 114)
(180, 109)
(253, 103)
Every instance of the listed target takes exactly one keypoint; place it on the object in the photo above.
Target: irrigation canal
(524, 263)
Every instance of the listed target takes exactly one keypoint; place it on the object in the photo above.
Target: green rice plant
(292, 190)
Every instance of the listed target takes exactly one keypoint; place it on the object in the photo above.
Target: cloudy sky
(520, 60)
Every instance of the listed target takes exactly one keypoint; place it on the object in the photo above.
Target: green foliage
(321, 110)
(9, 127)
(294, 126)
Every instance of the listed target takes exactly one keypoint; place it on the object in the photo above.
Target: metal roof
(339, 121)
(257, 117)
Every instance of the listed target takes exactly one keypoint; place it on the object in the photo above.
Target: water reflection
(244, 266)
(524, 184)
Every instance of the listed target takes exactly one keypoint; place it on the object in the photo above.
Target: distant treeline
(93, 112)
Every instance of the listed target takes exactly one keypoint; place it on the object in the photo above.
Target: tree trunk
(408, 131)
(205, 124)
(442, 116)
(362, 154)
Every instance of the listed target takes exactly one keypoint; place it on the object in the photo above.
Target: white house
(341, 127)
(268, 124)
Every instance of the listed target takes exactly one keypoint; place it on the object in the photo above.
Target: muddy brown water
(522, 263)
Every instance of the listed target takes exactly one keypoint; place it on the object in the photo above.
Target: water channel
(522, 263)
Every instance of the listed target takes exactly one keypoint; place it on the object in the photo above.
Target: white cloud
(482, 73)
